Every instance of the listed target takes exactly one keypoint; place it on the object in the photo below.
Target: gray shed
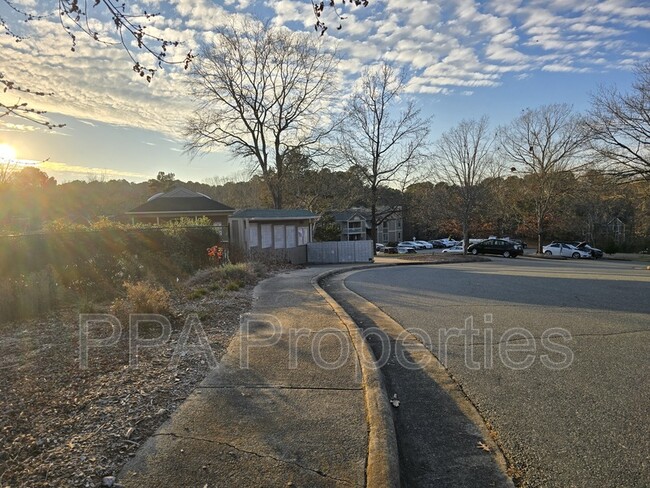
(280, 233)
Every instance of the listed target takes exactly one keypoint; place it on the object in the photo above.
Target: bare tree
(7, 171)
(463, 159)
(337, 7)
(21, 109)
(75, 18)
(129, 25)
(383, 143)
(129, 21)
(263, 92)
(620, 127)
(542, 144)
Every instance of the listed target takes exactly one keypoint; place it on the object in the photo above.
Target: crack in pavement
(212, 441)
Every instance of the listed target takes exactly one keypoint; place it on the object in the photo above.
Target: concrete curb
(436, 370)
(382, 465)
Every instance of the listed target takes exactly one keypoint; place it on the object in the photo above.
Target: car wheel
(548, 253)
(506, 254)
(474, 252)
(575, 255)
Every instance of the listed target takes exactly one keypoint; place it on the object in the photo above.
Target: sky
(463, 59)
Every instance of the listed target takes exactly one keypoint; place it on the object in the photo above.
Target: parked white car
(458, 249)
(566, 250)
(448, 242)
(427, 245)
(403, 248)
(412, 244)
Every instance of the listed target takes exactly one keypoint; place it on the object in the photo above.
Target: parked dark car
(438, 244)
(505, 248)
(523, 244)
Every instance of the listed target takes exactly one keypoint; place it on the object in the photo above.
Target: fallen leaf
(394, 401)
(482, 445)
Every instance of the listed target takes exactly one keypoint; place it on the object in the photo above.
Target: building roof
(181, 200)
(274, 214)
(348, 215)
(365, 213)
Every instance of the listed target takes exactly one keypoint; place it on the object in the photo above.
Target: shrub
(30, 294)
(233, 285)
(142, 297)
(87, 305)
(41, 271)
(611, 247)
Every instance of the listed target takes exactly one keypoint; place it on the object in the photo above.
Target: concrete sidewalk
(296, 416)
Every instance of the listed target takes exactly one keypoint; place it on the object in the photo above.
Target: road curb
(439, 372)
(382, 465)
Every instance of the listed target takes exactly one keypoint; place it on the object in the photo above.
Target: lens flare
(7, 153)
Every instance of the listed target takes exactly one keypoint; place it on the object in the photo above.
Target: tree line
(588, 203)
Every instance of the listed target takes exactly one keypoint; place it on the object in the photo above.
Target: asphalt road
(571, 408)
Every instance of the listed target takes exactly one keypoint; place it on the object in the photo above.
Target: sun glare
(7, 153)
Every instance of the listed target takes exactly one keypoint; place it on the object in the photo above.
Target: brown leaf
(482, 445)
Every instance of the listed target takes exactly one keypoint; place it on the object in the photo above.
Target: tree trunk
(373, 227)
(276, 193)
(373, 218)
(465, 236)
(277, 200)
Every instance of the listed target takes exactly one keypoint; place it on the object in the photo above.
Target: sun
(7, 153)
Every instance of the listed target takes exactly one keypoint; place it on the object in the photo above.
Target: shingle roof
(271, 213)
(347, 215)
(181, 200)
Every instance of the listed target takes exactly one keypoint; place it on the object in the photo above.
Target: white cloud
(447, 46)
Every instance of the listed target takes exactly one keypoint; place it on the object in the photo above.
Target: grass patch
(234, 286)
(197, 293)
(226, 276)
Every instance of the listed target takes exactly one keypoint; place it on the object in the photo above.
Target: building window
(253, 238)
(267, 236)
(303, 235)
(278, 236)
(291, 236)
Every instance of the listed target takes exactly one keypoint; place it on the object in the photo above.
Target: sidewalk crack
(267, 456)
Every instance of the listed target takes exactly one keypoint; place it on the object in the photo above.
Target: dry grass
(142, 297)
(61, 425)
(229, 276)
